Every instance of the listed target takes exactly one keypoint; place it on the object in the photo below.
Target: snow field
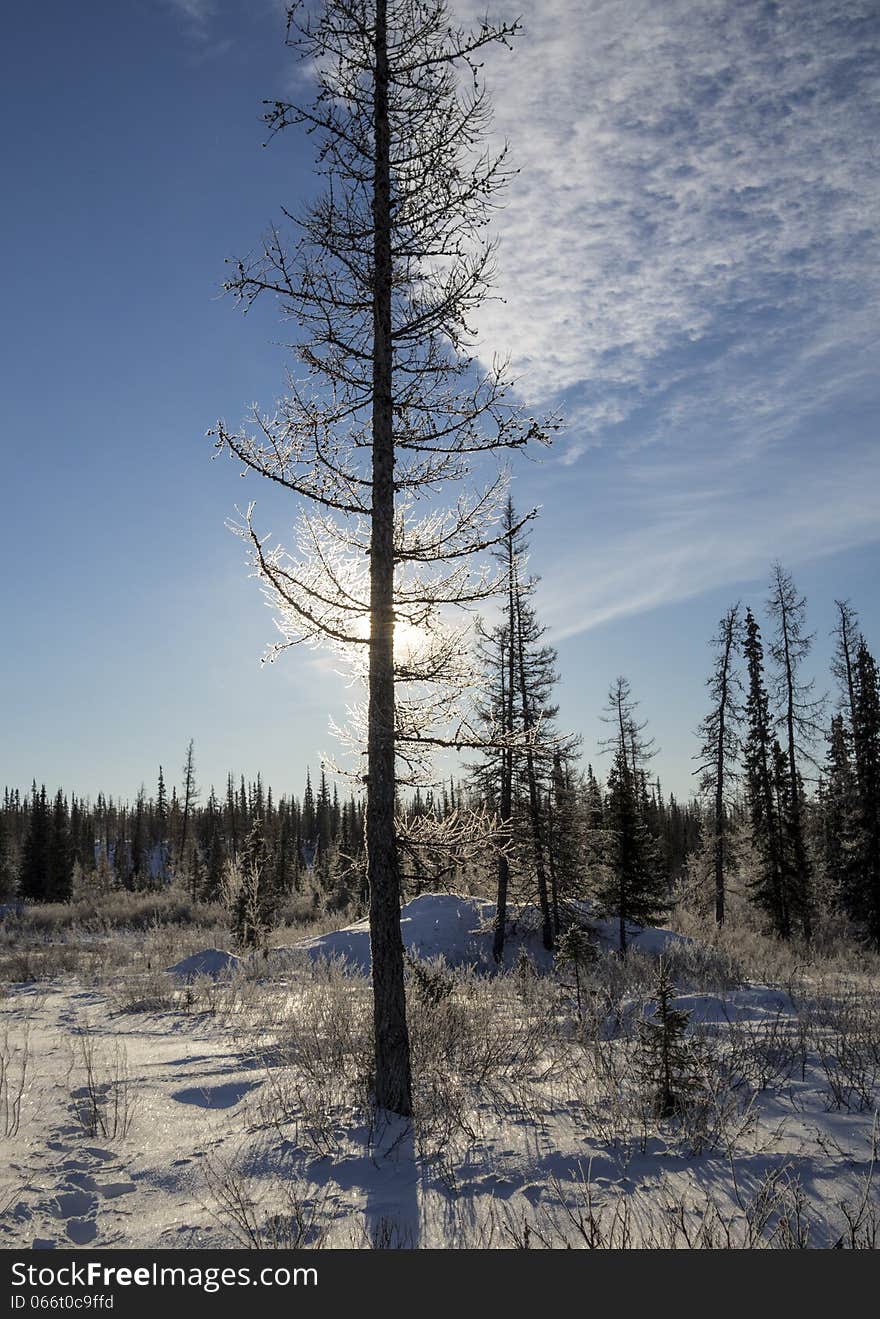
(228, 1103)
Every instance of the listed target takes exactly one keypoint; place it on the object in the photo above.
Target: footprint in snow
(74, 1204)
(80, 1179)
(82, 1230)
(114, 1189)
(215, 1096)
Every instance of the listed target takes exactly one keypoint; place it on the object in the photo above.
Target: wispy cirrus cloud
(678, 545)
(197, 13)
(201, 22)
(690, 264)
(683, 166)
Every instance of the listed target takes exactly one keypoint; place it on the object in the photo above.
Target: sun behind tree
(382, 275)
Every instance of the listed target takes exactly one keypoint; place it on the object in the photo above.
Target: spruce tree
(838, 806)
(865, 888)
(565, 837)
(34, 878)
(523, 743)
(768, 888)
(721, 745)
(632, 885)
(139, 862)
(846, 637)
(190, 796)
(256, 899)
(60, 854)
(8, 868)
(665, 1053)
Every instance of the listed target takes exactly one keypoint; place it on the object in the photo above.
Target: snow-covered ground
(230, 1109)
(459, 929)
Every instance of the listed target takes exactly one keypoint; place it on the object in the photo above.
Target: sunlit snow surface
(202, 1075)
(459, 929)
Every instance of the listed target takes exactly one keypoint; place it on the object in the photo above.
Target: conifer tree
(846, 636)
(565, 837)
(575, 951)
(865, 888)
(215, 862)
(139, 865)
(720, 743)
(798, 713)
(524, 746)
(190, 794)
(60, 854)
(769, 888)
(8, 869)
(666, 1056)
(33, 881)
(632, 886)
(536, 676)
(838, 804)
(162, 847)
(493, 778)
(255, 898)
(386, 270)
(631, 883)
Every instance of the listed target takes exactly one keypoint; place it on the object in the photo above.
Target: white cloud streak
(690, 262)
(681, 164)
(197, 13)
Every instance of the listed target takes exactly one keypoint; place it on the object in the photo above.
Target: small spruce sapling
(432, 981)
(666, 1056)
(252, 897)
(575, 949)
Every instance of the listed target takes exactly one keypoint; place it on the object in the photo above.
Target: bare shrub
(104, 1101)
(844, 1030)
(29, 964)
(765, 1054)
(321, 1075)
(14, 1070)
(146, 990)
(285, 1215)
(704, 966)
(776, 1216)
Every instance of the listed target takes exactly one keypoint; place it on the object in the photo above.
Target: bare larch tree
(382, 275)
(798, 713)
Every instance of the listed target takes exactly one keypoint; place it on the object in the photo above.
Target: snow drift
(459, 929)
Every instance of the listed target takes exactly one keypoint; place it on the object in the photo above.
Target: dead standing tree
(800, 715)
(383, 275)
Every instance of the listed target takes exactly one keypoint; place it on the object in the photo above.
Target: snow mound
(213, 962)
(756, 1004)
(647, 938)
(432, 925)
(459, 929)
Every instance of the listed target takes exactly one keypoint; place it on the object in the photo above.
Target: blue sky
(689, 270)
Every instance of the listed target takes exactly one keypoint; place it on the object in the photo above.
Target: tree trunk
(506, 799)
(393, 1083)
(797, 827)
(551, 861)
(719, 780)
(534, 804)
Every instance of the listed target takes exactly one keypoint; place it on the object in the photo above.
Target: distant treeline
(785, 821)
(50, 844)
